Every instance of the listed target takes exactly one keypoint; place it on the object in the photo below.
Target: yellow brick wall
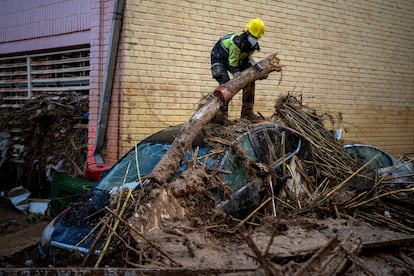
(355, 58)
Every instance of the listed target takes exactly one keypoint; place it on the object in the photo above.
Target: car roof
(359, 145)
(168, 135)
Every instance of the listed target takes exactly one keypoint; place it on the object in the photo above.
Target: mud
(184, 232)
(19, 234)
(221, 252)
(176, 228)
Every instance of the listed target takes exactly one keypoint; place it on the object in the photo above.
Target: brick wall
(101, 20)
(353, 58)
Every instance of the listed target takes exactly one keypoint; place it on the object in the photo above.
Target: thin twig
(116, 223)
(144, 238)
(254, 211)
(267, 266)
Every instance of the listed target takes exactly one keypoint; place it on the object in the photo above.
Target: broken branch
(169, 163)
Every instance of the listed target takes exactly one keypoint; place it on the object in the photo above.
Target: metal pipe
(108, 79)
(73, 247)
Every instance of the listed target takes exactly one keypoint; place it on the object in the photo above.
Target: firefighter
(233, 53)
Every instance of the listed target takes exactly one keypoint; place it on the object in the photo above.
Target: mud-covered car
(254, 144)
(397, 170)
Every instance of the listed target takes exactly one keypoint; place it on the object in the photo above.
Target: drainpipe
(108, 79)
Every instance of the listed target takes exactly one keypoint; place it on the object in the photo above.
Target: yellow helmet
(255, 27)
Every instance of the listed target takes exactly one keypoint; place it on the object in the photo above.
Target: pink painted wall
(41, 24)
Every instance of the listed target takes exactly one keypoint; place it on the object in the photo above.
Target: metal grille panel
(22, 77)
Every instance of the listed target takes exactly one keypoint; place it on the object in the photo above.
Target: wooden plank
(373, 237)
(332, 259)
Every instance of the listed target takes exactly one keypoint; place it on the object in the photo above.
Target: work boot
(222, 115)
(248, 103)
(248, 114)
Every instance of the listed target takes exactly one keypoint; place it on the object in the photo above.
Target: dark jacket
(233, 50)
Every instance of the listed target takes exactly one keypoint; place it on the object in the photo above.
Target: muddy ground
(289, 243)
(18, 232)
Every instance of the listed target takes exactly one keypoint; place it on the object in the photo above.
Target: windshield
(145, 157)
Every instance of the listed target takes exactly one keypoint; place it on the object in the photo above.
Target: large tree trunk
(169, 163)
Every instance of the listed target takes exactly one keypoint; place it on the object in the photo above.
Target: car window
(364, 154)
(149, 155)
(268, 144)
(292, 143)
(275, 138)
(233, 170)
(264, 146)
(246, 145)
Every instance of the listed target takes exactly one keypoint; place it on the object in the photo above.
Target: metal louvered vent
(22, 77)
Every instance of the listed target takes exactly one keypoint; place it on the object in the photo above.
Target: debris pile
(177, 227)
(46, 133)
(325, 148)
(368, 196)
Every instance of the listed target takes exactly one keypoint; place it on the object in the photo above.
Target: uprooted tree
(165, 169)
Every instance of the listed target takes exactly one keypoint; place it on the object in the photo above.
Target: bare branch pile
(328, 154)
(48, 132)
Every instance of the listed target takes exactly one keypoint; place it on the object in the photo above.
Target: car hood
(72, 228)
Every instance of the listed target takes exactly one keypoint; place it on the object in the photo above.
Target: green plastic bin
(66, 189)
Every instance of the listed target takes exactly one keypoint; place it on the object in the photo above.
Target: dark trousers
(219, 71)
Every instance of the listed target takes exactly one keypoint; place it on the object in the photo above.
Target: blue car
(396, 170)
(259, 143)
